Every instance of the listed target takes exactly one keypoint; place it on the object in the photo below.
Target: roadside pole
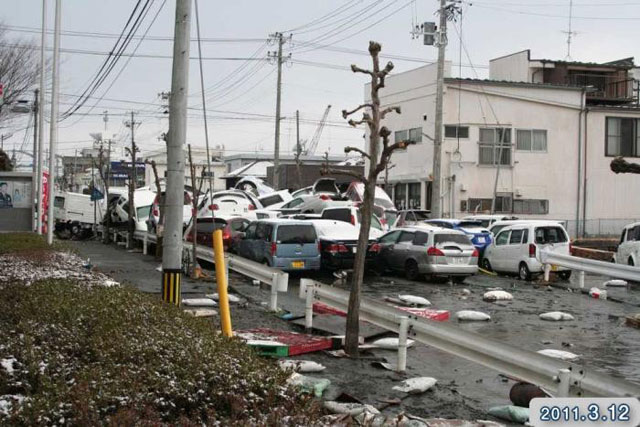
(34, 182)
(436, 209)
(43, 97)
(53, 137)
(174, 195)
(276, 153)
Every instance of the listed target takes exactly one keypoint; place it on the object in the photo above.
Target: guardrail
(276, 279)
(145, 238)
(619, 271)
(560, 378)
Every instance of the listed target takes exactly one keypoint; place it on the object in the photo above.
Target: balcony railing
(607, 87)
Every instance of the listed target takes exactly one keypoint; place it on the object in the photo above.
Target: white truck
(74, 214)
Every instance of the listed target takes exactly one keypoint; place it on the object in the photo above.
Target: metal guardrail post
(581, 279)
(402, 343)
(547, 272)
(564, 381)
(308, 309)
(273, 300)
(145, 243)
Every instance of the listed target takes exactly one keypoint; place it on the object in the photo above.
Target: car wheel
(523, 272)
(486, 265)
(458, 279)
(411, 270)
(631, 263)
(565, 275)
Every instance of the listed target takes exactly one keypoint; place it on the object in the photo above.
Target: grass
(26, 242)
(114, 356)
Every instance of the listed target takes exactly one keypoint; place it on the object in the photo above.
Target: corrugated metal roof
(510, 83)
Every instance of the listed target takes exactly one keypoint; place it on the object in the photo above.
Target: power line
(325, 17)
(548, 15)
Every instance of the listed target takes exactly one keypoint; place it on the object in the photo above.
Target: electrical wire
(329, 15)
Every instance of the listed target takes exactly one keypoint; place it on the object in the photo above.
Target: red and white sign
(45, 199)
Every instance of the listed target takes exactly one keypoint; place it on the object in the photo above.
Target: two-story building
(538, 134)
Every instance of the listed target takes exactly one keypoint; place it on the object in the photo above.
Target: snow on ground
(7, 364)
(29, 268)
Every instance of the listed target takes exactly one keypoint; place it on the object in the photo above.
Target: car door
(244, 246)
(386, 243)
(498, 252)
(401, 250)
(634, 245)
(622, 253)
(514, 251)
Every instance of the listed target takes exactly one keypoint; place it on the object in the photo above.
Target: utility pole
(34, 181)
(43, 97)
(133, 179)
(436, 209)
(276, 152)
(298, 149)
(73, 172)
(174, 195)
(53, 137)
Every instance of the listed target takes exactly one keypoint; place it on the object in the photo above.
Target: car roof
(633, 224)
(529, 224)
(525, 221)
(284, 221)
(481, 217)
(426, 228)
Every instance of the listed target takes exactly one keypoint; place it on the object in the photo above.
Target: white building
(535, 128)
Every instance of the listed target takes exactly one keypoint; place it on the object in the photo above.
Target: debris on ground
(306, 384)
(416, 385)
(414, 300)
(633, 320)
(301, 365)
(471, 315)
(390, 343)
(349, 408)
(201, 312)
(615, 283)
(279, 343)
(556, 316)
(497, 295)
(232, 298)
(426, 313)
(597, 293)
(199, 302)
(558, 354)
(522, 393)
(511, 413)
(383, 365)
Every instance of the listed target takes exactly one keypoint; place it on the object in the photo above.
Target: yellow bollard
(221, 278)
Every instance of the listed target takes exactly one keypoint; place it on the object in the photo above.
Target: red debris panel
(427, 313)
(320, 308)
(297, 343)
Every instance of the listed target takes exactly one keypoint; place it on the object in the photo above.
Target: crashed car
(338, 244)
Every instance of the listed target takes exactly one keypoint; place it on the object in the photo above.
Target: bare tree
(371, 117)
(19, 69)
(5, 162)
(160, 198)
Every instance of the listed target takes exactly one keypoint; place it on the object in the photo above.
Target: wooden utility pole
(133, 179)
(34, 191)
(436, 209)
(276, 152)
(298, 150)
(174, 194)
(43, 97)
(53, 138)
(378, 161)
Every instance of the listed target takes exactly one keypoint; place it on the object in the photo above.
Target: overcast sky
(241, 94)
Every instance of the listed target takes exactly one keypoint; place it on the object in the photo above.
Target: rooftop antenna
(569, 33)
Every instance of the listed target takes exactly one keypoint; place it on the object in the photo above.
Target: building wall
(513, 67)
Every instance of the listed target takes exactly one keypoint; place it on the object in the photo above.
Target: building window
(414, 134)
(414, 195)
(401, 135)
(495, 146)
(453, 131)
(531, 140)
(623, 137)
(530, 206)
(503, 204)
(400, 196)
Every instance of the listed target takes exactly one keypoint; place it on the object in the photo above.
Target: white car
(142, 200)
(230, 202)
(488, 220)
(499, 225)
(351, 214)
(254, 185)
(629, 248)
(516, 249)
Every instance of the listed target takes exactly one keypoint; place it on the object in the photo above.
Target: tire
(523, 272)
(411, 270)
(486, 265)
(458, 279)
(630, 262)
(565, 275)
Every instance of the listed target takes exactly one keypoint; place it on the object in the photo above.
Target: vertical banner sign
(1, 94)
(45, 200)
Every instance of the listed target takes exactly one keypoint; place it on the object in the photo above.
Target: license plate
(554, 268)
(458, 260)
(297, 264)
(354, 249)
(481, 240)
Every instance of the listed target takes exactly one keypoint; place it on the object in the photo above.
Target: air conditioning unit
(518, 193)
(463, 188)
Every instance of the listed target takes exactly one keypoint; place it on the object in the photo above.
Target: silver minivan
(425, 250)
(516, 249)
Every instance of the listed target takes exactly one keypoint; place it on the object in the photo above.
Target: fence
(603, 227)
(560, 378)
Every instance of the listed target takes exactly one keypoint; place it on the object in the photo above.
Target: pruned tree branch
(383, 74)
(366, 118)
(363, 153)
(346, 113)
(347, 172)
(388, 110)
(357, 69)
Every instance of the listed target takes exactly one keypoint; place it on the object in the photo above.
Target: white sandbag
(414, 300)
(597, 293)
(390, 343)
(301, 365)
(199, 302)
(350, 408)
(216, 297)
(416, 385)
(497, 296)
(558, 354)
(615, 282)
(472, 315)
(306, 384)
(556, 316)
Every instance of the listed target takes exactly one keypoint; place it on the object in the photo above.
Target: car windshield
(547, 235)
(383, 202)
(271, 200)
(143, 212)
(391, 216)
(470, 224)
(421, 215)
(442, 238)
(296, 234)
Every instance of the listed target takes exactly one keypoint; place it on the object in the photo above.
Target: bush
(26, 242)
(87, 356)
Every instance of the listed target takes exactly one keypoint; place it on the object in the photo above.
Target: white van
(499, 225)
(516, 249)
(143, 199)
(629, 248)
(488, 220)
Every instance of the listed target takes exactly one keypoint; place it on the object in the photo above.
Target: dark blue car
(480, 236)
